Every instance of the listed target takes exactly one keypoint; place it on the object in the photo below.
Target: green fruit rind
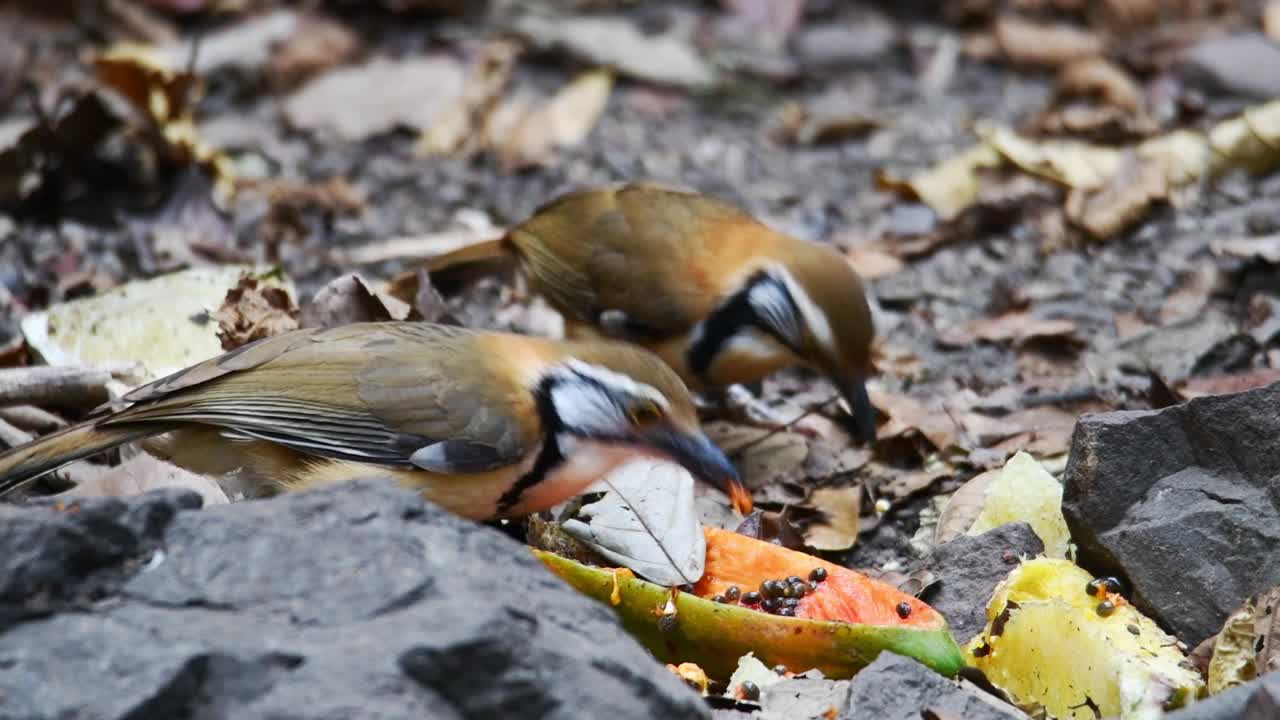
(714, 635)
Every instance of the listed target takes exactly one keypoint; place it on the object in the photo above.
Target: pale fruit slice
(1048, 645)
(1023, 491)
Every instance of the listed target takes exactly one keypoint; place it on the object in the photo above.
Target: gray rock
(1255, 700)
(1218, 65)
(848, 43)
(802, 697)
(968, 569)
(354, 601)
(1183, 502)
(898, 688)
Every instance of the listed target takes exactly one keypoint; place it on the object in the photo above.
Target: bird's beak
(705, 461)
(863, 420)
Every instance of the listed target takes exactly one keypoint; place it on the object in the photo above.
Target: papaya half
(838, 625)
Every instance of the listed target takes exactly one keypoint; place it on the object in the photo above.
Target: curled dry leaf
(1122, 202)
(948, 187)
(906, 414)
(1265, 248)
(316, 44)
(143, 473)
(1029, 42)
(562, 121)
(839, 529)
(1017, 326)
(963, 507)
(347, 299)
(462, 127)
(253, 310)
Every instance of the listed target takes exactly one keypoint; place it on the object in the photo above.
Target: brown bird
(485, 424)
(721, 297)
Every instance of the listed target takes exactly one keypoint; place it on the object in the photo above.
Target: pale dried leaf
(948, 187)
(1030, 42)
(873, 262)
(1017, 326)
(618, 43)
(563, 121)
(1122, 201)
(1227, 384)
(647, 522)
(247, 45)
(1271, 20)
(963, 507)
(1265, 248)
(839, 529)
(347, 299)
(463, 126)
(317, 44)
(359, 101)
(144, 473)
(1068, 162)
(1101, 77)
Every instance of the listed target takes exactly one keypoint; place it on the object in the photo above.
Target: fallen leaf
(903, 485)
(616, 42)
(1248, 645)
(774, 527)
(316, 44)
(831, 118)
(252, 311)
(906, 414)
(1227, 384)
(563, 121)
(143, 473)
(647, 522)
(963, 507)
(1271, 20)
(1071, 163)
(948, 187)
(1096, 76)
(1265, 248)
(1017, 326)
(246, 45)
(1191, 296)
(767, 460)
(1122, 201)
(1030, 42)
(163, 324)
(465, 125)
(347, 299)
(361, 101)
(839, 529)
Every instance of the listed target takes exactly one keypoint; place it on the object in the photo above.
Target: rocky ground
(1010, 302)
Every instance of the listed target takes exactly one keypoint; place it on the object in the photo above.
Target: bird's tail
(454, 271)
(25, 463)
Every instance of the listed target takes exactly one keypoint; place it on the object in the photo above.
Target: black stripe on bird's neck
(549, 455)
(730, 318)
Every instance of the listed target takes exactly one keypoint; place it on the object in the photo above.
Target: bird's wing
(372, 392)
(637, 249)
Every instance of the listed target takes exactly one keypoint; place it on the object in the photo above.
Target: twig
(60, 386)
(12, 437)
(30, 417)
(783, 427)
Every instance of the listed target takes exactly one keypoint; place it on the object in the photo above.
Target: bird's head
(619, 394)
(817, 305)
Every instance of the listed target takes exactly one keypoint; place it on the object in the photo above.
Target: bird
(723, 298)
(488, 425)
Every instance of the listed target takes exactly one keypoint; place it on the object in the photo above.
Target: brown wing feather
(582, 253)
(373, 392)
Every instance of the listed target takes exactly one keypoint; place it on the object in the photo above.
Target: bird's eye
(645, 412)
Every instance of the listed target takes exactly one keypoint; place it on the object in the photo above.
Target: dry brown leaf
(1271, 20)
(144, 473)
(1226, 384)
(839, 530)
(764, 458)
(905, 414)
(1250, 141)
(1248, 645)
(871, 261)
(1068, 162)
(820, 122)
(563, 121)
(1122, 202)
(1029, 42)
(461, 127)
(347, 299)
(948, 187)
(1017, 326)
(1099, 77)
(906, 484)
(316, 44)
(1191, 296)
(1265, 248)
(252, 311)
(963, 507)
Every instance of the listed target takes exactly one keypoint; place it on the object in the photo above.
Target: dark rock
(1258, 699)
(1183, 502)
(354, 601)
(898, 688)
(72, 553)
(1216, 65)
(968, 569)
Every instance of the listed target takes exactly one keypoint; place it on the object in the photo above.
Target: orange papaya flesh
(686, 627)
(844, 596)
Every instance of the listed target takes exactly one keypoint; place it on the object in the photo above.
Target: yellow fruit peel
(1025, 492)
(1048, 647)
